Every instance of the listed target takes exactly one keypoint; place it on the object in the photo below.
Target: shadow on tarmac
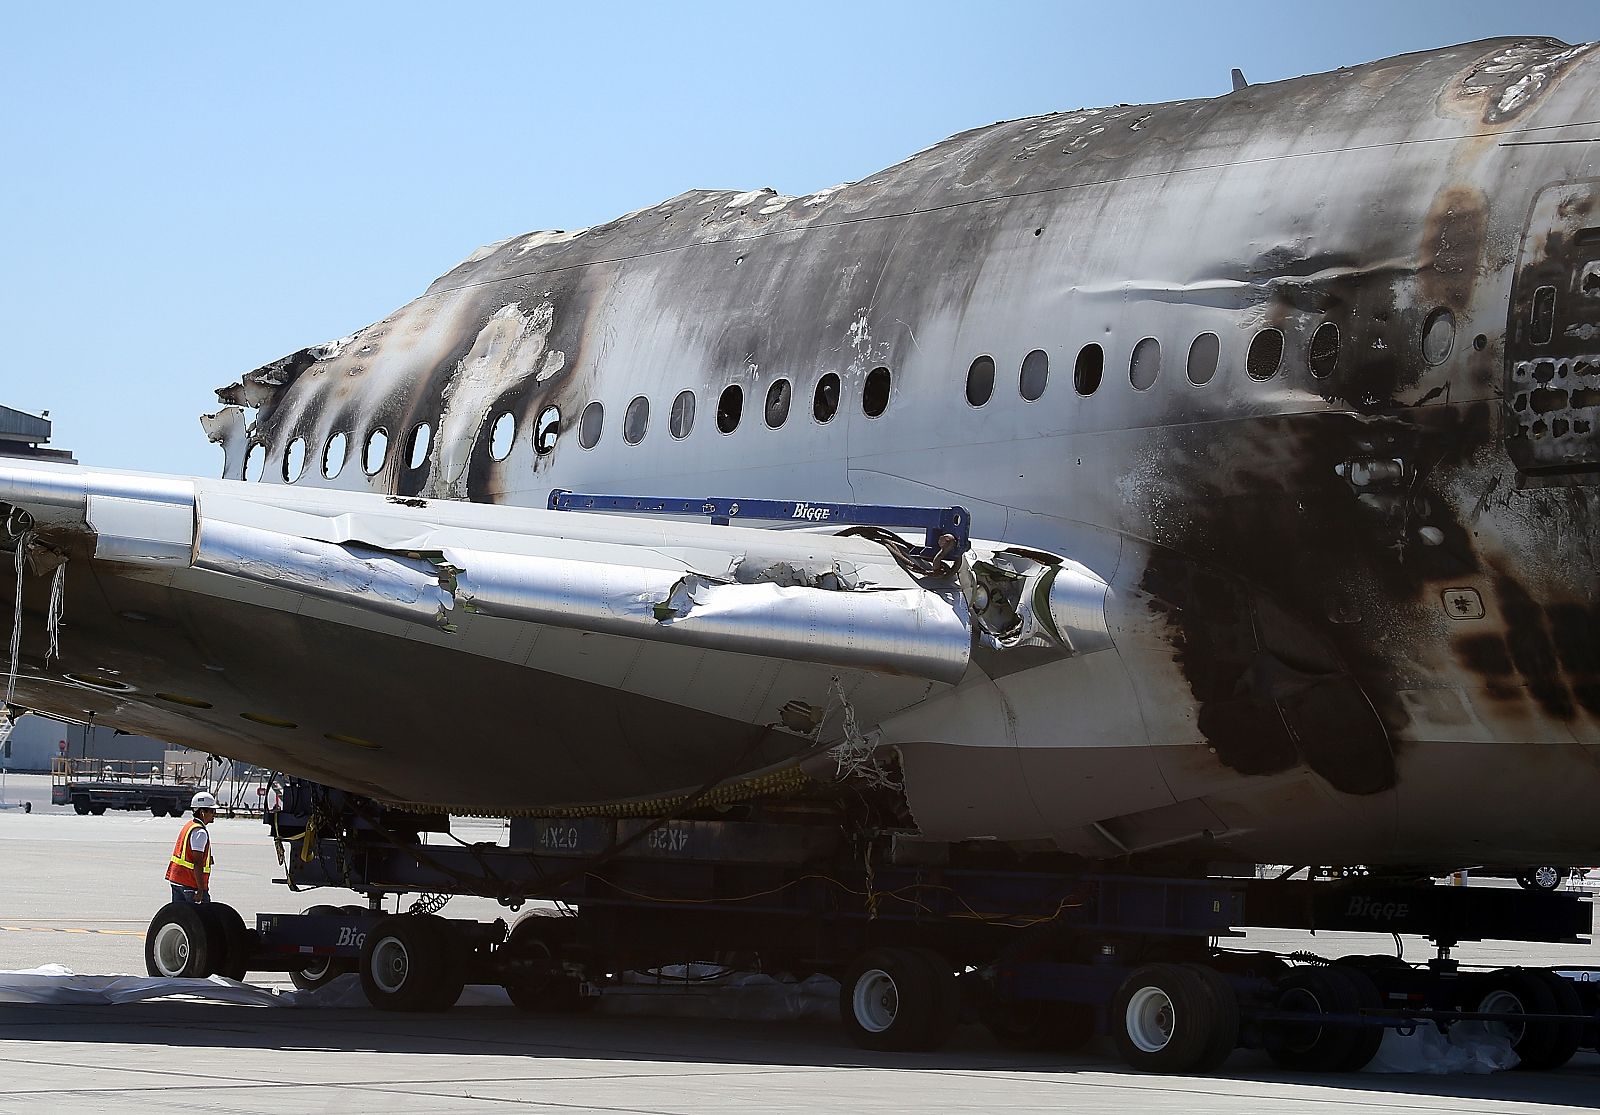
(498, 1033)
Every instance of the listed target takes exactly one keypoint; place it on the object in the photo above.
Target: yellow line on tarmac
(66, 929)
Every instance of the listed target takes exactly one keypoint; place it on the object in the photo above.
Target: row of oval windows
(1262, 361)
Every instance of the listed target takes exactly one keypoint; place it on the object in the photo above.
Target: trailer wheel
(326, 968)
(97, 810)
(239, 942)
(178, 943)
(947, 988)
(890, 999)
(1310, 1046)
(1538, 1045)
(80, 805)
(1225, 1031)
(1164, 1018)
(541, 937)
(451, 956)
(158, 809)
(401, 964)
(1367, 1038)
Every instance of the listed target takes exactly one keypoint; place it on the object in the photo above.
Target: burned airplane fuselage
(1307, 374)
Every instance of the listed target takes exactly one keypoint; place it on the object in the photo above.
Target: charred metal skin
(1306, 376)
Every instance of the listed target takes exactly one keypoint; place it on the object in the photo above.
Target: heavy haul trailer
(1045, 958)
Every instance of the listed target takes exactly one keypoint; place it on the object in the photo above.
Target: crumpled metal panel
(903, 631)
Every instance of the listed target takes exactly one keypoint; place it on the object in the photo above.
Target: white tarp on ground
(1469, 1047)
(693, 992)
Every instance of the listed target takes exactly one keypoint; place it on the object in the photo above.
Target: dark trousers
(184, 894)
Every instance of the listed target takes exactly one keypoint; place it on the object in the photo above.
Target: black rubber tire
(1539, 1045)
(408, 950)
(1568, 1036)
(97, 810)
(80, 806)
(1367, 1038)
(186, 942)
(1039, 1024)
(1308, 1047)
(1225, 1032)
(239, 942)
(1543, 877)
(329, 969)
(157, 809)
(541, 936)
(1190, 1015)
(890, 1000)
(452, 959)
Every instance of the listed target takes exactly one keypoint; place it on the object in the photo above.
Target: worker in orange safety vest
(190, 869)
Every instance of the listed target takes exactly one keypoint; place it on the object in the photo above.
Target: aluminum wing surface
(463, 655)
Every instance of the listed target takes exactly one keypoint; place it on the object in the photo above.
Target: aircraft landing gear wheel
(896, 999)
(178, 943)
(1312, 1047)
(1165, 1018)
(1539, 1045)
(403, 964)
(1540, 878)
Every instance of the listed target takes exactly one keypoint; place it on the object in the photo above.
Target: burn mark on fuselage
(1549, 653)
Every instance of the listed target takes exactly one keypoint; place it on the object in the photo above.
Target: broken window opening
(253, 462)
(875, 392)
(1265, 355)
(546, 428)
(980, 381)
(825, 403)
(1323, 355)
(681, 420)
(377, 451)
(1438, 336)
(730, 407)
(636, 420)
(333, 456)
(1035, 375)
(1543, 325)
(1203, 355)
(294, 460)
(1145, 364)
(1087, 371)
(502, 436)
(590, 423)
(421, 440)
(778, 403)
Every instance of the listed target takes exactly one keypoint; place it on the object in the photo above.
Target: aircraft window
(681, 421)
(252, 462)
(377, 450)
(546, 428)
(1086, 373)
(1203, 355)
(1323, 356)
(778, 403)
(333, 456)
(1145, 364)
(294, 460)
(980, 381)
(1438, 336)
(421, 439)
(1544, 315)
(590, 423)
(1265, 355)
(825, 403)
(875, 392)
(730, 407)
(502, 436)
(1035, 374)
(635, 420)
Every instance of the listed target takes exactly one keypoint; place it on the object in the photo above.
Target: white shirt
(198, 839)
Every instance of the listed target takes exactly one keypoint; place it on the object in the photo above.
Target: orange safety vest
(182, 870)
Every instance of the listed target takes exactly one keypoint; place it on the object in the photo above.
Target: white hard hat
(203, 800)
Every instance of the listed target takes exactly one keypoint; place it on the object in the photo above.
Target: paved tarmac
(79, 891)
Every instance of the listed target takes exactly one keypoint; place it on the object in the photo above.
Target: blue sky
(190, 191)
